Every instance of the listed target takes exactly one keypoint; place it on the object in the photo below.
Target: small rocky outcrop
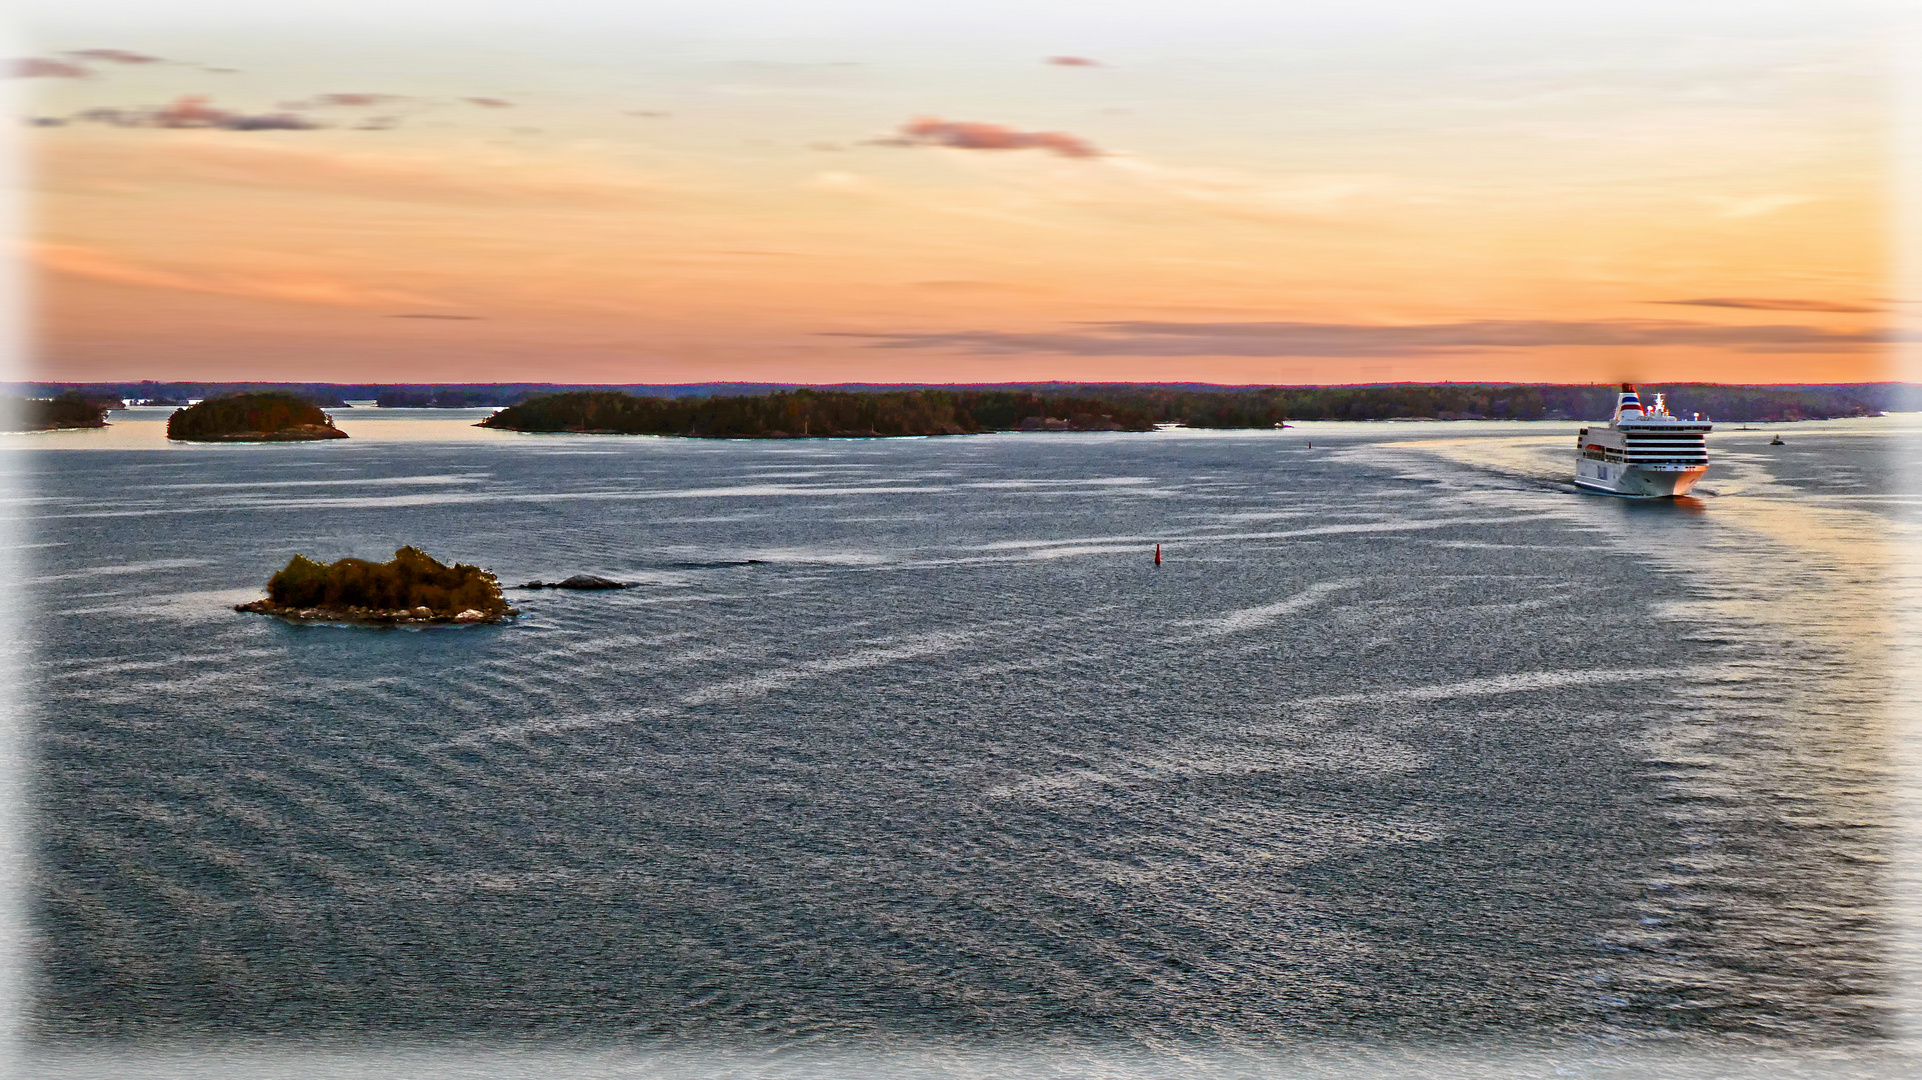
(264, 417)
(413, 588)
(585, 582)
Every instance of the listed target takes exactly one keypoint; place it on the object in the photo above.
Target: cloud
(1072, 61)
(475, 177)
(114, 56)
(75, 67)
(1746, 206)
(967, 135)
(91, 263)
(965, 285)
(191, 111)
(489, 102)
(1292, 199)
(843, 182)
(34, 67)
(345, 101)
(196, 111)
(1771, 305)
(1130, 338)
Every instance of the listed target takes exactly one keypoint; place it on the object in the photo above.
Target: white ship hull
(1636, 481)
(1643, 453)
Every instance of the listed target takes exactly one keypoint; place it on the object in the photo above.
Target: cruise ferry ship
(1643, 453)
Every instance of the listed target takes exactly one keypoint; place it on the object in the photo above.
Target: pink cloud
(356, 101)
(489, 102)
(114, 56)
(191, 111)
(1072, 61)
(967, 135)
(197, 111)
(33, 67)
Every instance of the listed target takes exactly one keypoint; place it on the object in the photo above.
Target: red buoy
(1157, 554)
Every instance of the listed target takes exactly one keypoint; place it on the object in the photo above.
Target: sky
(763, 190)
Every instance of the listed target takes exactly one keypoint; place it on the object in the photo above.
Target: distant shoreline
(1189, 404)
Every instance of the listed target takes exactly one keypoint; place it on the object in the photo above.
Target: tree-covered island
(71, 409)
(805, 413)
(271, 416)
(955, 410)
(411, 588)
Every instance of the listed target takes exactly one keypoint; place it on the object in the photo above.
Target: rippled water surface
(911, 740)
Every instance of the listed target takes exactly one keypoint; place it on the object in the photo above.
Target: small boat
(1777, 441)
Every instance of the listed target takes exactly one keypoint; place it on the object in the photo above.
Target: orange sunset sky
(774, 191)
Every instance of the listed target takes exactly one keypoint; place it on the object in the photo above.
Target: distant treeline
(386, 395)
(326, 395)
(452, 397)
(817, 413)
(1265, 406)
(1196, 405)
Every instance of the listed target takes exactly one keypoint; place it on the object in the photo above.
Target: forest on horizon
(1192, 404)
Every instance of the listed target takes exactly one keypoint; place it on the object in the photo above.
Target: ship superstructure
(1644, 452)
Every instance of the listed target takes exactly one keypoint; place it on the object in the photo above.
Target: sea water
(910, 746)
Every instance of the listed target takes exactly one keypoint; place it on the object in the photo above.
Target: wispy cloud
(489, 102)
(970, 135)
(1129, 338)
(475, 177)
(1290, 198)
(197, 111)
(97, 265)
(114, 56)
(346, 101)
(963, 285)
(74, 66)
(1072, 61)
(1771, 305)
(35, 67)
(1747, 206)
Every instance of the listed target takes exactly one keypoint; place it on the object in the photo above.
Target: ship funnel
(1628, 404)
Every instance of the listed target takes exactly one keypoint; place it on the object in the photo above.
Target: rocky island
(269, 416)
(580, 583)
(820, 414)
(411, 589)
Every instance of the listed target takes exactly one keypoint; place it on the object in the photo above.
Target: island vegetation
(451, 397)
(68, 410)
(151, 392)
(817, 414)
(411, 588)
(272, 416)
(1266, 406)
(1190, 404)
(840, 413)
